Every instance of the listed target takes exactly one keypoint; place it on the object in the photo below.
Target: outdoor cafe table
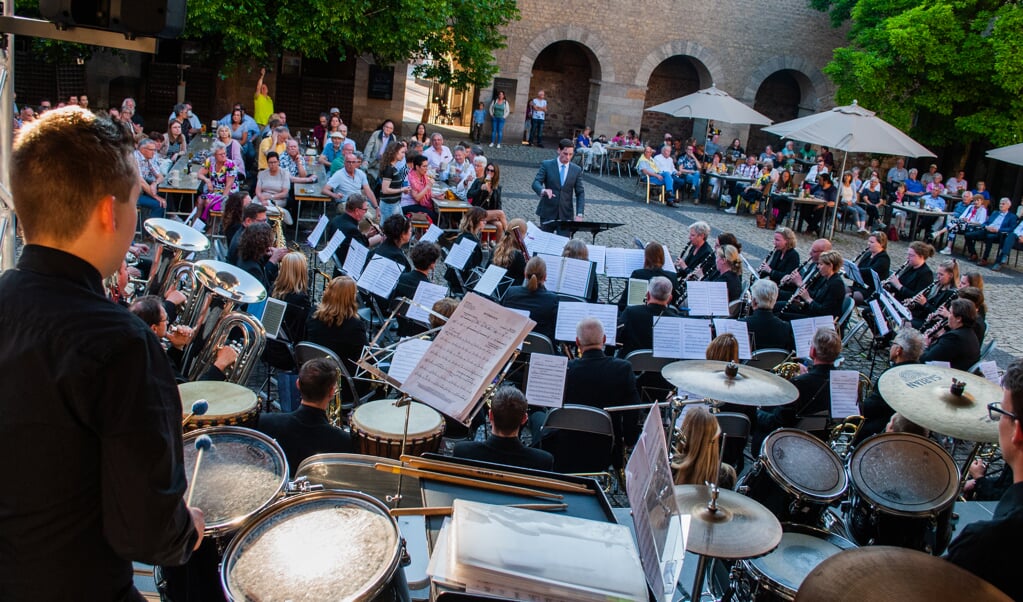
(916, 211)
(311, 192)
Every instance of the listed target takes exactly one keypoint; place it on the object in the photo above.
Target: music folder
(273, 316)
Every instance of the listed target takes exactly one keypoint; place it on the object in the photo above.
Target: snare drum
(903, 489)
(229, 404)
(377, 428)
(796, 477)
(324, 545)
(778, 575)
(356, 472)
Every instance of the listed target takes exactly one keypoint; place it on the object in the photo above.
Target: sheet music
(845, 386)
(432, 234)
(545, 385)
(191, 216)
(669, 265)
(990, 371)
(889, 304)
(660, 530)
(804, 329)
(852, 272)
(273, 316)
(567, 275)
(741, 332)
(460, 253)
(875, 279)
(489, 280)
(707, 298)
(468, 353)
(426, 295)
(879, 319)
(332, 246)
(533, 233)
(939, 364)
(539, 242)
(621, 263)
(199, 225)
(355, 261)
(637, 291)
(570, 314)
(380, 276)
(314, 236)
(681, 338)
(596, 253)
(405, 357)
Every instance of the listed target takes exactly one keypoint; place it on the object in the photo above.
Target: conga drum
(229, 404)
(377, 428)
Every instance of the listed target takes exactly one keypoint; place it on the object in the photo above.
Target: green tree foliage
(942, 70)
(441, 33)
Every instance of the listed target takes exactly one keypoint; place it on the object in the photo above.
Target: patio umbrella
(1010, 154)
(852, 129)
(711, 103)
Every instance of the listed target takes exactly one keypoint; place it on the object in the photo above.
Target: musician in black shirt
(729, 268)
(827, 293)
(917, 276)
(653, 265)
(700, 254)
(424, 259)
(937, 293)
(356, 207)
(875, 258)
(768, 330)
(783, 258)
(90, 415)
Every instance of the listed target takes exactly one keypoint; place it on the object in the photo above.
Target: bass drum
(903, 489)
(377, 429)
(796, 477)
(324, 545)
(778, 575)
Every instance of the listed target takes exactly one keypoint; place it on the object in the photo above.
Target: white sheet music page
(667, 337)
(469, 351)
(332, 245)
(405, 357)
(380, 276)
(741, 332)
(553, 244)
(803, 330)
(660, 530)
(669, 265)
(621, 263)
(432, 234)
(879, 320)
(355, 261)
(460, 253)
(490, 279)
(553, 264)
(707, 298)
(314, 236)
(545, 385)
(844, 393)
(990, 371)
(636, 291)
(596, 253)
(570, 314)
(575, 277)
(426, 295)
(533, 238)
(273, 316)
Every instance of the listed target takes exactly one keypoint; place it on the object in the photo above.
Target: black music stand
(594, 228)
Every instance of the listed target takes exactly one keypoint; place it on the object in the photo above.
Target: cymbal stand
(406, 401)
(701, 566)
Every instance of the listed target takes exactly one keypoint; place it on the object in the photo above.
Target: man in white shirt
(666, 169)
(438, 156)
(348, 180)
(539, 117)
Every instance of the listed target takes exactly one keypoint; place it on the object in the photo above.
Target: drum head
(800, 551)
(355, 472)
(386, 421)
(225, 399)
(804, 464)
(904, 473)
(325, 545)
(241, 474)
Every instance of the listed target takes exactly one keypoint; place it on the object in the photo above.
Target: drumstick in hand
(202, 443)
(199, 407)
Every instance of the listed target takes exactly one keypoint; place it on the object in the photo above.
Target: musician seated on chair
(784, 256)
(307, 430)
(469, 229)
(653, 265)
(577, 249)
(826, 294)
(252, 213)
(507, 415)
(337, 326)
(534, 297)
(787, 284)
(356, 206)
(636, 323)
(150, 309)
(959, 346)
(906, 349)
(424, 256)
(988, 549)
(813, 386)
(768, 330)
(699, 251)
(698, 451)
(729, 267)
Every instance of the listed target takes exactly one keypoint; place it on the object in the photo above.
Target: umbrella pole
(838, 199)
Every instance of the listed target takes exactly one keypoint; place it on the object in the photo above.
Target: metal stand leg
(701, 569)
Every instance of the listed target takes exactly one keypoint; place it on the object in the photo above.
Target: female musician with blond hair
(729, 266)
(698, 457)
(470, 227)
(534, 297)
(784, 258)
(336, 324)
(510, 253)
(291, 286)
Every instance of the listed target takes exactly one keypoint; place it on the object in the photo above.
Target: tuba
(233, 285)
(173, 240)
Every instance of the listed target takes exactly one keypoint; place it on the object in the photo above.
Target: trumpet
(795, 298)
(887, 284)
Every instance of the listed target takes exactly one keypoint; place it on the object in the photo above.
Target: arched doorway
(676, 76)
(569, 74)
(778, 97)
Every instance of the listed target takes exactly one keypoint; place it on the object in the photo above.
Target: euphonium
(250, 347)
(173, 240)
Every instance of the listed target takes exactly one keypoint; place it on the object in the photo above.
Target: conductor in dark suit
(768, 330)
(307, 431)
(636, 323)
(507, 415)
(558, 182)
(959, 346)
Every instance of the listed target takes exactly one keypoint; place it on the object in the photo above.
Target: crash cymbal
(890, 573)
(922, 394)
(740, 527)
(750, 386)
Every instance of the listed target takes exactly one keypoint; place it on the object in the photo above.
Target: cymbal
(751, 386)
(890, 573)
(922, 394)
(740, 528)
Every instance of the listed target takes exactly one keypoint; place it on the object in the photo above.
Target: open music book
(707, 298)
(355, 261)
(545, 384)
(566, 275)
(804, 329)
(738, 329)
(426, 295)
(570, 314)
(537, 241)
(681, 338)
(460, 253)
(332, 246)
(621, 263)
(380, 276)
(489, 280)
(314, 236)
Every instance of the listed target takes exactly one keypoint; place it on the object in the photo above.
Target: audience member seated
(276, 142)
(1013, 240)
(439, 156)
(906, 348)
(534, 297)
(768, 330)
(825, 191)
(420, 196)
(220, 175)
(636, 323)
(348, 181)
(307, 431)
(485, 192)
(688, 173)
(999, 225)
(150, 179)
(273, 186)
(959, 346)
(507, 415)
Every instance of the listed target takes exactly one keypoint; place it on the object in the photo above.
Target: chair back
(735, 428)
(581, 438)
(643, 360)
(306, 351)
(847, 311)
(537, 343)
(987, 348)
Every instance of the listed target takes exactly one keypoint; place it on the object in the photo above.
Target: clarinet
(927, 292)
(685, 251)
(887, 284)
(769, 259)
(699, 269)
(935, 322)
(795, 298)
(863, 255)
(785, 279)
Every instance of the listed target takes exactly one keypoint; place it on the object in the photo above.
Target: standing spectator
(500, 109)
(262, 104)
(378, 142)
(537, 119)
(478, 117)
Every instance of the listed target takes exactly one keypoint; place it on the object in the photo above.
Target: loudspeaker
(157, 18)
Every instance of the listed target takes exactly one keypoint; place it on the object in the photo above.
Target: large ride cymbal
(890, 573)
(740, 527)
(923, 395)
(751, 386)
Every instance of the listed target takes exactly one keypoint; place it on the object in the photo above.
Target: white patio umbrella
(711, 103)
(852, 129)
(1010, 154)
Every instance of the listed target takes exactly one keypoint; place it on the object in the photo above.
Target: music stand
(594, 228)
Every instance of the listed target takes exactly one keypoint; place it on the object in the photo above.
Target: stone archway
(675, 76)
(783, 88)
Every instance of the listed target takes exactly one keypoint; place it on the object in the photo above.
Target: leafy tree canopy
(942, 70)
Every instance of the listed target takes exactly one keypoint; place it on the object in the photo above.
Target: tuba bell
(173, 240)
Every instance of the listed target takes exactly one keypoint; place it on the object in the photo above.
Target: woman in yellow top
(262, 104)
